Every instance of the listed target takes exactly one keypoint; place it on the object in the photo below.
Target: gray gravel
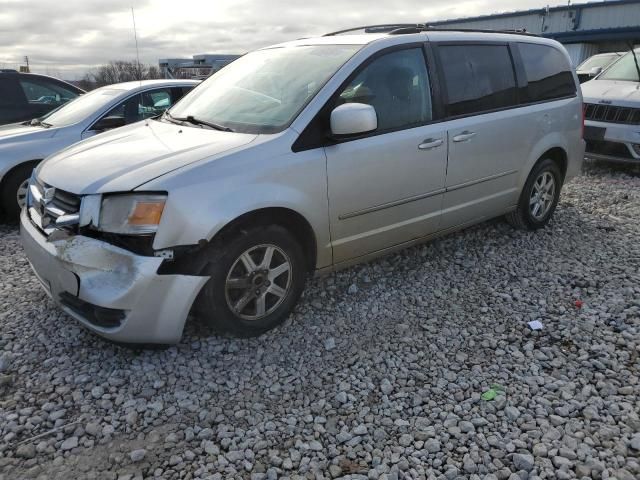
(378, 374)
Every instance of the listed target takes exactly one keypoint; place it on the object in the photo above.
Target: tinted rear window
(548, 73)
(10, 93)
(478, 78)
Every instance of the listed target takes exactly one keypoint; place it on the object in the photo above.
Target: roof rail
(408, 28)
(382, 28)
(517, 31)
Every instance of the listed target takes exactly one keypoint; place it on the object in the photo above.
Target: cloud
(68, 38)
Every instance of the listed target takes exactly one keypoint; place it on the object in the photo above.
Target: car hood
(127, 157)
(616, 92)
(17, 132)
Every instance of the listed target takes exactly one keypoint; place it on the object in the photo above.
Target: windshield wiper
(203, 123)
(36, 122)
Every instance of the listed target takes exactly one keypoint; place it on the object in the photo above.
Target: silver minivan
(301, 157)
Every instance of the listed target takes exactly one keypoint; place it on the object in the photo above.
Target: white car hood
(16, 132)
(626, 94)
(127, 157)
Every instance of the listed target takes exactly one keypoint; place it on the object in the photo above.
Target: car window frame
(316, 134)
(111, 106)
(518, 74)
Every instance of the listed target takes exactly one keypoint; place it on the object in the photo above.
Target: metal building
(200, 66)
(585, 28)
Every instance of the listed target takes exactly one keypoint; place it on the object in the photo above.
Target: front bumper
(612, 142)
(110, 283)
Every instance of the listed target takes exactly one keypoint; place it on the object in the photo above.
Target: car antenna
(135, 36)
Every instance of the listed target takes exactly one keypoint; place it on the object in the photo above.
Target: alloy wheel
(258, 282)
(21, 194)
(542, 195)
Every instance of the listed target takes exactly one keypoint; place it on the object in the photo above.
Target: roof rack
(382, 28)
(409, 28)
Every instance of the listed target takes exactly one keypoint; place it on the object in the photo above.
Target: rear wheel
(14, 190)
(257, 276)
(539, 197)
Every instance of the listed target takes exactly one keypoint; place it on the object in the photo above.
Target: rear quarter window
(548, 73)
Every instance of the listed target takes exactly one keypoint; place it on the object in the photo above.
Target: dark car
(24, 96)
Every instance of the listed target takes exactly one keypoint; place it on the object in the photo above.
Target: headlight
(131, 214)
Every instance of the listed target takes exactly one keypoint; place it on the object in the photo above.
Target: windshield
(263, 91)
(598, 61)
(80, 108)
(624, 69)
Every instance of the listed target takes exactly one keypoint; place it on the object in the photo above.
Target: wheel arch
(287, 218)
(15, 167)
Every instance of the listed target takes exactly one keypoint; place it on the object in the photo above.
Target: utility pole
(26, 60)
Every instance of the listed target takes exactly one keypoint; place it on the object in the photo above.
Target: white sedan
(24, 145)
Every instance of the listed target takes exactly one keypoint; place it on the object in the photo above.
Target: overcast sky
(66, 38)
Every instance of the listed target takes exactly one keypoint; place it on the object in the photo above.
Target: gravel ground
(378, 374)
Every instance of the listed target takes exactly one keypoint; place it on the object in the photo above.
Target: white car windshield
(263, 91)
(597, 61)
(77, 110)
(625, 69)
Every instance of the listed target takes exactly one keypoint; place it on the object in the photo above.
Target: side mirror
(353, 118)
(108, 123)
(595, 71)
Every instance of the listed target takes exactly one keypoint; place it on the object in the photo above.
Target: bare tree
(117, 71)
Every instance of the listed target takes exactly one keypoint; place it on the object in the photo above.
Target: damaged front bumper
(111, 291)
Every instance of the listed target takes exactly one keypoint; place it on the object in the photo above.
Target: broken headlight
(131, 214)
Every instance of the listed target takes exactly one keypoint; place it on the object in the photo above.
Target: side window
(154, 102)
(42, 93)
(397, 86)
(548, 73)
(124, 113)
(10, 93)
(478, 78)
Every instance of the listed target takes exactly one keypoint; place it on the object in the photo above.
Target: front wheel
(539, 197)
(256, 278)
(14, 191)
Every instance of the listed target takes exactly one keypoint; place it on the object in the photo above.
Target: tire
(220, 302)
(9, 194)
(539, 198)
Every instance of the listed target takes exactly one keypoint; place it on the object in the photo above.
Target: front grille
(47, 204)
(612, 114)
(611, 149)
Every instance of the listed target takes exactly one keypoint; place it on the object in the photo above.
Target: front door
(387, 188)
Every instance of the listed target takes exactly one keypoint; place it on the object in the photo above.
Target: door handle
(430, 143)
(464, 136)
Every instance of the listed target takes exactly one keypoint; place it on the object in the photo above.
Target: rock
(69, 444)
(523, 461)
(330, 343)
(342, 398)
(26, 450)
(137, 455)
(432, 445)
(512, 413)
(386, 387)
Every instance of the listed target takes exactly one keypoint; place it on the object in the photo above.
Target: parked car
(595, 64)
(307, 156)
(612, 112)
(24, 96)
(24, 145)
